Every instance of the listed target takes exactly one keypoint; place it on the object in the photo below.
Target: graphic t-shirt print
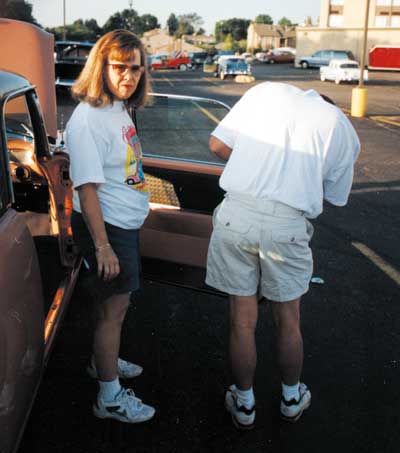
(134, 175)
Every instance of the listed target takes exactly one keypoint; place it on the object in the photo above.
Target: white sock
(245, 397)
(291, 391)
(108, 389)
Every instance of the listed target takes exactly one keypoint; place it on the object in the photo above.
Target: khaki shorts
(259, 245)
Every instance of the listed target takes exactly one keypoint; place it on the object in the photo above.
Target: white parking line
(169, 81)
(389, 270)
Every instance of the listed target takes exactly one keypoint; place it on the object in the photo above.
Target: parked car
(70, 58)
(249, 57)
(260, 56)
(197, 59)
(232, 66)
(342, 71)
(174, 61)
(211, 64)
(278, 56)
(323, 57)
(39, 263)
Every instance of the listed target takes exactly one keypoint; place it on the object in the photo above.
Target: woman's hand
(107, 263)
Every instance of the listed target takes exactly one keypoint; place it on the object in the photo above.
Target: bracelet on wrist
(103, 247)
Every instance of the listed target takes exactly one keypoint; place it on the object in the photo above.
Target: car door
(38, 263)
(184, 181)
(21, 298)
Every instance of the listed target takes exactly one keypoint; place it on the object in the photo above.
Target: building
(341, 27)
(159, 41)
(265, 37)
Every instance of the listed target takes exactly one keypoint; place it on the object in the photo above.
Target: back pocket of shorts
(228, 221)
(291, 245)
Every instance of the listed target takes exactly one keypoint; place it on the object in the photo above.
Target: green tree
(264, 19)
(172, 24)
(128, 19)
(184, 28)
(20, 10)
(228, 42)
(188, 24)
(94, 30)
(149, 22)
(285, 22)
(236, 27)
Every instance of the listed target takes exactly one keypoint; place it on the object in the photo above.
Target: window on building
(381, 21)
(396, 20)
(335, 20)
(337, 2)
(383, 2)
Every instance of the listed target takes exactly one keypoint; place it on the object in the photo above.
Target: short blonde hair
(91, 85)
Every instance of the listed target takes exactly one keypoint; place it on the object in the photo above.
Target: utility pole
(359, 94)
(64, 26)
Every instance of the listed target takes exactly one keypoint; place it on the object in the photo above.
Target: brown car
(39, 263)
(278, 57)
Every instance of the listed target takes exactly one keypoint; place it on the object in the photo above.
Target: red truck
(176, 60)
(384, 57)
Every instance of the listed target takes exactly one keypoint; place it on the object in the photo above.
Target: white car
(249, 57)
(342, 71)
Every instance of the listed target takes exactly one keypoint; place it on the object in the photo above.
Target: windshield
(349, 65)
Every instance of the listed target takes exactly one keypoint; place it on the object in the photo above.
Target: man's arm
(219, 148)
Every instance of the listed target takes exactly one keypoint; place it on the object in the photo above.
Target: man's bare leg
(289, 340)
(107, 335)
(242, 344)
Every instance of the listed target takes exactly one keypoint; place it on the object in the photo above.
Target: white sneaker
(242, 417)
(292, 410)
(125, 407)
(125, 370)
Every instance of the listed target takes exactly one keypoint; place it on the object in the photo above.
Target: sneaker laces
(128, 395)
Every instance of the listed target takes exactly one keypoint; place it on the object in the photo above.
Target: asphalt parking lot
(350, 323)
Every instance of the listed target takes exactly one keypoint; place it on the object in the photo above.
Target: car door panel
(21, 323)
(175, 236)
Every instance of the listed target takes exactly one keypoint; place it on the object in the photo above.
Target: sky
(49, 13)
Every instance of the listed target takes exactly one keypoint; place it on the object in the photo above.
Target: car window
(179, 127)
(349, 65)
(19, 130)
(83, 52)
(316, 54)
(326, 54)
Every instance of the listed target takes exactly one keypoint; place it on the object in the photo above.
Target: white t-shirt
(290, 146)
(105, 149)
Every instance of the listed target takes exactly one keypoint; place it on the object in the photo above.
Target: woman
(111, 201)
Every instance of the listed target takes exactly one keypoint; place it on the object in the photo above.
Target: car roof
(71, 43)
(11, 82)
(229, 57)
(342, 61)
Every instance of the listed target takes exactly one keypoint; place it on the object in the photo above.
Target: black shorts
(125, 244)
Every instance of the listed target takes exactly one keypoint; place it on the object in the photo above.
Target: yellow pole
(359, 94)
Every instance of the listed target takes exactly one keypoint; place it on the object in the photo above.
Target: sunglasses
(122, 69)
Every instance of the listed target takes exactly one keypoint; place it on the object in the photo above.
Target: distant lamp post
(359, 94)
(64, 26)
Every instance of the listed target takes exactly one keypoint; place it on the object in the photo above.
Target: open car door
(183, 176)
